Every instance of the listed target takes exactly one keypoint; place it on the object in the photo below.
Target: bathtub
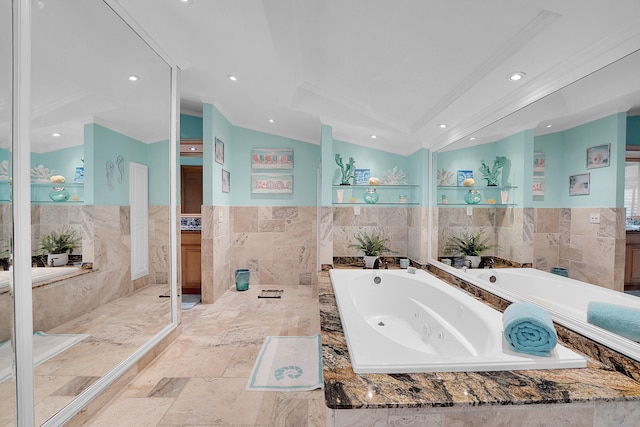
(566, 299)
(39, 274)
(397, 322)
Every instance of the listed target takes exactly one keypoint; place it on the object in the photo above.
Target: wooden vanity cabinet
(191, 273)
(632, 262)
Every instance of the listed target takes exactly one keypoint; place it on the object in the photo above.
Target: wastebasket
(242, 279)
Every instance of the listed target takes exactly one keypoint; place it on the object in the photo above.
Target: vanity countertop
(344, 389)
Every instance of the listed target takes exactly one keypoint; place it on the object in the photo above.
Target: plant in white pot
(469, 244)
(372, 244)
(58, 245)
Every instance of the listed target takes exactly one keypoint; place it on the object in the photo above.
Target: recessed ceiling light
(374, 136)
(232, 77)
(271, 121)
(56, 134)
(185, 1)
(472, 138)
(193, 149)
(442, 125)
(549, 126)
(517, 76)
(133, 78)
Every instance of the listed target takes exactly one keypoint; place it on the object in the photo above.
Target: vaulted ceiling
(394, 69)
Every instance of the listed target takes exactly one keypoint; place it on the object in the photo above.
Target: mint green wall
(418, 171)
(306, 161)
(191, 161)
(190, 127)
(216, 125)
(158, 163)
(377, 161)
(517, 148)
(607, 184)
(238, 143)
(327, 163)
(556, 180)
(633, 130)
(64, 161)
(103, 145)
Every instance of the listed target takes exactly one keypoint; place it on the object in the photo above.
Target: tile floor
(200, 379)
(115, 330)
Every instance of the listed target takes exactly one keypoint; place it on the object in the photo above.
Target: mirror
(559, 136)
(90, 121)
(7, 384)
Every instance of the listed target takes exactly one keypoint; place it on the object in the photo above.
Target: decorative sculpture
(348, 170)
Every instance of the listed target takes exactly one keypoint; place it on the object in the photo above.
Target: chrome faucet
(467, 263)
(489, 262)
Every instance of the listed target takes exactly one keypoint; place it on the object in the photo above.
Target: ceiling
(394, 69)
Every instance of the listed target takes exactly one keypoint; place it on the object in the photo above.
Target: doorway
(190, 233)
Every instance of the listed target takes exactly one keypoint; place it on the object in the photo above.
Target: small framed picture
(464, 174)
(226, 181)
(361, 176)
(579, 185)
(219, 151)
(598, 156)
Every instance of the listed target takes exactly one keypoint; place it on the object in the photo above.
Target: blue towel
(624, 321)
(529, 329)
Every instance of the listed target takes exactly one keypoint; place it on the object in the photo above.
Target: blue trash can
(242, 279)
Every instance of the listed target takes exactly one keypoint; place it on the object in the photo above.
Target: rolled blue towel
(624, 321)
(529, 329)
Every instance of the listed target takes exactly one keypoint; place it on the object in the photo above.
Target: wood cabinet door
(191, 272)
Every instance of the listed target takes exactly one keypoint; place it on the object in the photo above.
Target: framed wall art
(579, 185)
(362, 176)
(272, 158)
(226, 181)
(271, 183)
(219, 149)
(598, 156)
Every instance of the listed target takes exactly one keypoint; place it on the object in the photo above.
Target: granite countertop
(345, 389)
(190, 223)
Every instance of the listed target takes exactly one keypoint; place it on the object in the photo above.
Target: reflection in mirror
(90, 121)
(547, 221)
(7, 380)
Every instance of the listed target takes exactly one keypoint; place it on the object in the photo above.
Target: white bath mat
(45, 346)
(288, 364)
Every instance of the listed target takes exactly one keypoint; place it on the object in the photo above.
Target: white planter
(57, 260)
(369, 261)
(474, 260)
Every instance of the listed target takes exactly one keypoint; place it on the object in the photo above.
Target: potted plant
(469, 244)
(372, 245)
(58, 246)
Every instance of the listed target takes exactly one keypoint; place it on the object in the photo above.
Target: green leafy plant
(371, 244)
(492, 175)
(58, 243)
(468, 243)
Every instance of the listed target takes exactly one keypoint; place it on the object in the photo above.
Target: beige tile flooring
(115, 330)
(200, 379)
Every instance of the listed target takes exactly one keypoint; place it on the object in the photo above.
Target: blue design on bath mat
(290, 371)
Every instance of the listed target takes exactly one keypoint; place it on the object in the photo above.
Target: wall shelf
(40, 192)
(389, 195)
(454, 196)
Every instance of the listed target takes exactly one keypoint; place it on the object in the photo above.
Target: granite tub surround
(610, 358)
(595, 395)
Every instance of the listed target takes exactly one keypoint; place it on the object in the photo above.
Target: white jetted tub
(397, 322)
(38, 274)
(566, 299)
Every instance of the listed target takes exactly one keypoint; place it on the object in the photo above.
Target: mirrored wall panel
(100, 106)
(7, 379)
